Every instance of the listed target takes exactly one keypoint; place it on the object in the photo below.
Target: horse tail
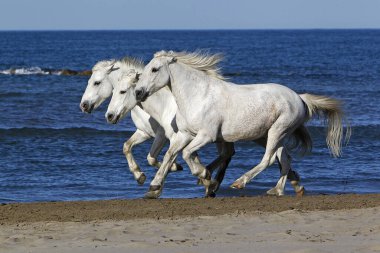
(331, 110)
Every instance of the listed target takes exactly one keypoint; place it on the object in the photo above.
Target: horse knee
(199, 173)
(151, 160)
(127, 147)
(186, 154)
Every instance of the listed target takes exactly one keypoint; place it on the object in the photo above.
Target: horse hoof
(275, 192)
(213, 187)
(272, 192)
(210, 195)
(238, 184)
(301, 192)
(154, 192)
(141, 179)
(151, 195)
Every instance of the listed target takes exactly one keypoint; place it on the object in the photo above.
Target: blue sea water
(51, 151)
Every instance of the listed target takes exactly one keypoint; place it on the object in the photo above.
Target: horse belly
(243, 130)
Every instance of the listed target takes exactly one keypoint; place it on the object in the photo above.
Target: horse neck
(161, 106)
(187, 85)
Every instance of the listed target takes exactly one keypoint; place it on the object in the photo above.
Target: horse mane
(134, 63)
(127, 62)
(200, 60)
(103, 64)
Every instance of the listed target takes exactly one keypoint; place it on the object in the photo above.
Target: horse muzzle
(86, 107)
(112, 118)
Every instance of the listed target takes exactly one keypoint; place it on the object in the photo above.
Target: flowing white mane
(134, 63)
(199, 60)
(126, 62)
(103, 65)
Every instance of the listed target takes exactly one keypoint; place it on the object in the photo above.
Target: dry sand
(339, 223)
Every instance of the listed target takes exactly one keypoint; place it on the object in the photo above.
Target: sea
(51, 151)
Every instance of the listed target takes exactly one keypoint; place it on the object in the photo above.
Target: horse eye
(97, 83)
(154, 70)
(123, 92)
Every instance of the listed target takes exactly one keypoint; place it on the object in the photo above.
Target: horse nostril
(85, 105)
(110, 116)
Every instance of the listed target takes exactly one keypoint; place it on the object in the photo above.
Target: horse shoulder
(144, 121)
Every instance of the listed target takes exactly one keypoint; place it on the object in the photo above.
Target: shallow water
(51, 151)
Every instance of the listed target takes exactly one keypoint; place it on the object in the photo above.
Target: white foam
(25, 71)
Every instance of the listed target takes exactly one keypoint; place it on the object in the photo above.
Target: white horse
(210, 109)
(100, 86)
(106, 75)
(160, 106)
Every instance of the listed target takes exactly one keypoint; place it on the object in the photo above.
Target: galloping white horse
(100, 86)
(210, 109)
(106, 75)
(159, 107)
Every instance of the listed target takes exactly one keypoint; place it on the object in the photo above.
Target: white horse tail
(331, 110)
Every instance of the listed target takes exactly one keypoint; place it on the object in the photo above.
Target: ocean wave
(368, 131)
(45, 71)
(38, 131)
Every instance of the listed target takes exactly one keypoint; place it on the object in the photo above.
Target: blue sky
(189, 14)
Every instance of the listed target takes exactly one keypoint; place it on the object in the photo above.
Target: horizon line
(184, 29)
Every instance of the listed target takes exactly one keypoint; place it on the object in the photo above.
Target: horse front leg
(137, 138)
(197, 169)
(177, 143)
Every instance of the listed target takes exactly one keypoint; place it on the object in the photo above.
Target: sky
(187, 14)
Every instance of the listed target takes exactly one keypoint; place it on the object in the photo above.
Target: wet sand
(334, 223)
(84, 211)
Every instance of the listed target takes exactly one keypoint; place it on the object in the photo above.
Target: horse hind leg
(294, 179)
(275, 137)
(284, 164)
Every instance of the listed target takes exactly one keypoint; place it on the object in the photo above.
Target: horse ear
(112, 68)
(172, 60)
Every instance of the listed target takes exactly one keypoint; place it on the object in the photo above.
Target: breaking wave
(45, 71)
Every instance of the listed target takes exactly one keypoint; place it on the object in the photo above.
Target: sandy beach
(336, 223)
